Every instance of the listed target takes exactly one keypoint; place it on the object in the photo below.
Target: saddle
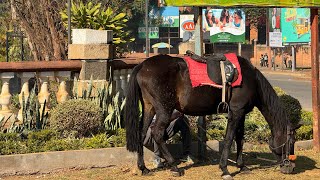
(218, 66)
(221, 71)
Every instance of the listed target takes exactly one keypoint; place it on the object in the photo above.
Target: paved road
(297, 87)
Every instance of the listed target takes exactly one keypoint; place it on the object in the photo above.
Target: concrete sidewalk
(299, 73)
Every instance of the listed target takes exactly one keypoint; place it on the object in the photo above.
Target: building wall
(303, 55)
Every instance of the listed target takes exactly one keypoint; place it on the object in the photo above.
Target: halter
(286, 142)
(286, 166)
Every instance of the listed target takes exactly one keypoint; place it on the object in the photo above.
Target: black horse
(162, 84)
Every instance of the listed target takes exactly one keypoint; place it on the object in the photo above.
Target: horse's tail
(132, 121)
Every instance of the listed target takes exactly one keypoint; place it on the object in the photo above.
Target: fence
(120, 79)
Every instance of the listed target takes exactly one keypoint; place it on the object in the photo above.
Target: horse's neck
(275, 120)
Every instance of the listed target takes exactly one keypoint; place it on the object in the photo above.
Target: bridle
(286, 165)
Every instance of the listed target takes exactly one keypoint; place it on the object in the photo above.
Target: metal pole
(199, 34)
(169, 39)
(274, 60)
(268, 39)
(147, 28)
(315, 77)
(293, 52)
(69, 21)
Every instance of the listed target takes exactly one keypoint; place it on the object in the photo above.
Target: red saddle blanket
(199, 75)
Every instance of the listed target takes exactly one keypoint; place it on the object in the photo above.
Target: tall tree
(5, 20)
(40, 19)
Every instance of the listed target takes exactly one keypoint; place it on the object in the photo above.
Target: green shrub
(10, 136)
(77, 115)
(97, 141)
(36, 140)
(215, 134)
(118, 139)
(304, 133)
(63, 144)
(306, 117)
(12, 147)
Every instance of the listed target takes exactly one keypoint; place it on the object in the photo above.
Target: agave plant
(33, 118)
(112, 104)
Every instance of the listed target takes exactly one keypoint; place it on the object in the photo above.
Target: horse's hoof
(177, 173)
(245, 170)
(227, 177)
(145, 172)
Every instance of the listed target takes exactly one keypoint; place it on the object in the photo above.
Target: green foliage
(256, 127)
(5, 21)
(80, 116)
(112, 105)
(253, 15)
(15, 104)
(304, 132)
(33, 117)
(306, 117)
(94, 16)
(50, 140)
(39, 139)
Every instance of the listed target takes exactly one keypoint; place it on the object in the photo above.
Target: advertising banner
(275, 35)
(228, 3)
(153, 32)
(186, 27)
(224, 25)
(295, 25)
(170, 16)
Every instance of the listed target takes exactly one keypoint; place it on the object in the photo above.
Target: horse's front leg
(240, 141)
(158, 131)
(233, 121)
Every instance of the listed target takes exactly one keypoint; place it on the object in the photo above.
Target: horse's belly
(200, 100)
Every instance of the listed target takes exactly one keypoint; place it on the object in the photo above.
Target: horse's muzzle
(288, 164)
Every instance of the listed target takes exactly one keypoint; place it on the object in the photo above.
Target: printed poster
(295, 25)
(275, 35)
(224, 25)
(187, 27)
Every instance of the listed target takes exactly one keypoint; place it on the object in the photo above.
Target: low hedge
(256, 127)
(49, 140)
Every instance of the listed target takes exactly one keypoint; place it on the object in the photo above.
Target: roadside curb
(47, 162)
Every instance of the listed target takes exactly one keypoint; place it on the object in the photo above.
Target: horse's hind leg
(147, 118)
(158, 129)
(240, 141)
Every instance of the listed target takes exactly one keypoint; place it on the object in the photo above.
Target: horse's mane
(270, 106)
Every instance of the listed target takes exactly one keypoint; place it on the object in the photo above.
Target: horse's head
(282, 145)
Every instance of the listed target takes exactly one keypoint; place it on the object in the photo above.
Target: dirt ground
(307, 167)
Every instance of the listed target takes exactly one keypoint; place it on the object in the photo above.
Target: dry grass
(308, 167)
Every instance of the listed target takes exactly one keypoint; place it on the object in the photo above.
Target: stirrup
(223, 107)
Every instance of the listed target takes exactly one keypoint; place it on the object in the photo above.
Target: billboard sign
(170, 16)
(275, 35)
(224, 25)
(153, 32)
(187, 27)
(226, 3)
(295, 23)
